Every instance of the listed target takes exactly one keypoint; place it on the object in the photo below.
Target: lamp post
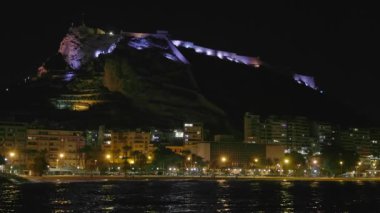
(188, 165)
(11, 157)
(286, 162)
(108, 157)
(60, 156)
(341, 166)
(131, 163)
(313, 167)
(357, 167)
(223, 159)
(255, 163)
(315, 162)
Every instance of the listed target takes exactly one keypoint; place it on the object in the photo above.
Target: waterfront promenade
(73, 178)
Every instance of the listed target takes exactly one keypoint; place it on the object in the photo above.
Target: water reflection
(315, 202)
(287, 203)
(191, 196)
(9, 196)
(223, 196)
(60, 201)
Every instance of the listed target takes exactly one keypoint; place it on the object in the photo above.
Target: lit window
(178, 134)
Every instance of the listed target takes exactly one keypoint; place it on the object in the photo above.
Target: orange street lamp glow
(223, 159)
(12, 154)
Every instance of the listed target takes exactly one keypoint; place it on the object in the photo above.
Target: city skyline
(189, 107)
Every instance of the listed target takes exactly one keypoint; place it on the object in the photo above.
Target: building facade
(124, 143)
(13, 141)
(62, 147)
(193, 132)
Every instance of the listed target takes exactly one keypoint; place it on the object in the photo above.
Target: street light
(132, 162)
(286, 161)
(315, 162)
(256, 160)
(223, 159)
(357, 167)
(341, 166)
(11, 156)
(61, 156)
(108, 156)
(189, 158)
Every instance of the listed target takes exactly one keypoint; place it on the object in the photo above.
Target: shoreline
(74, 179)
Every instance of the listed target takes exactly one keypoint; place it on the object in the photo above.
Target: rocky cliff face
(81, 44)
(142, 80)
(154, 81)
(161, 87)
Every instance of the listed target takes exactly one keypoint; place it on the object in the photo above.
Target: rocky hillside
(144, 80)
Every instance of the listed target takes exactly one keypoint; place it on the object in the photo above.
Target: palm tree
(139, 158)
(91, 154)
(126, 150)
(40, 163)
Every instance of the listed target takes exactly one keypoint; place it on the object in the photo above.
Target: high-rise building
(252, 127)
(323, 134)
(193, 132)
(299, 133)
(356, 139)
(293, 132)
(275, 130)
(271, 130)
(375, 141)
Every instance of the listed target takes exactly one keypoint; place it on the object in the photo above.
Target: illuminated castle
(83, 44)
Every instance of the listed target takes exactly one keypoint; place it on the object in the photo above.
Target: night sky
(338, 44)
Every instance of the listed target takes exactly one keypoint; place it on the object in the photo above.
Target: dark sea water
(191, 196)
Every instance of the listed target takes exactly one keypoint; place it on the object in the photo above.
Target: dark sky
(338, 44)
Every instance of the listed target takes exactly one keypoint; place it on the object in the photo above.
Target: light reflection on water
(223, 202)
(191, 196)
(9, 197)
(286, 204)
